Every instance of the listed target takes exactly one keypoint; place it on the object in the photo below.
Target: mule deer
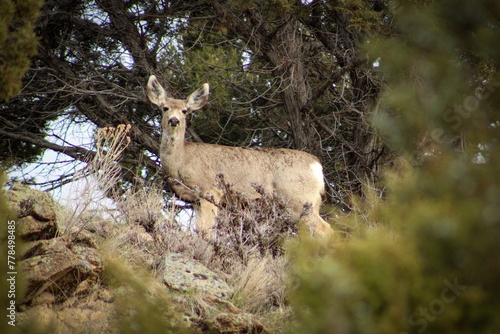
(295, 175)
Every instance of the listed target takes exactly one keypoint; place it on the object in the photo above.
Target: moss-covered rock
(184, 274)
(60, 266)
(35, 211)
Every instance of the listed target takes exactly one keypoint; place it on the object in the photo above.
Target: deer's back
(293, 173)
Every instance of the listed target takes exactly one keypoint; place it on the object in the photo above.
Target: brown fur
(293, 174)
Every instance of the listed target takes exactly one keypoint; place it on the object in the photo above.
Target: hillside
(99, 276)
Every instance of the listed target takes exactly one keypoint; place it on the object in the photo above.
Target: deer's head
(174, 111)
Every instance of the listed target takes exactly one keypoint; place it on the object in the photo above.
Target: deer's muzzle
(173, 121)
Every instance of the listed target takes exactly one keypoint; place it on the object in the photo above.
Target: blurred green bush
(430, 260)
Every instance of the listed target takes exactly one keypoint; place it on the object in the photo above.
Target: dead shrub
(248, 228)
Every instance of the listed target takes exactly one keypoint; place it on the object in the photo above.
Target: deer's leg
(205, 216)
(321, 227)
(316, 225)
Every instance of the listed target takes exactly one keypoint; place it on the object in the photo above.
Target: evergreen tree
(17, 45)
(426, 259)
(282, 74)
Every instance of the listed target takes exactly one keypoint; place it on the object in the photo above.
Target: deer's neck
(172, 153)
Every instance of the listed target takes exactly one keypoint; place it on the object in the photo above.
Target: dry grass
(93, 186)
(145, 207)
(262, 285)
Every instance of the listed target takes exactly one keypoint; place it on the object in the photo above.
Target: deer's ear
(155, 91)
(198, 98)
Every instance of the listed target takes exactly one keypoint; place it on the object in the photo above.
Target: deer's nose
(173, 121)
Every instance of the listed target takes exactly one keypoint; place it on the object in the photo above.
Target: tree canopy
(282, 74)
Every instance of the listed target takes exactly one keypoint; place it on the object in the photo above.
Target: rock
(211, 291)
(183, 274)
(35, 211)
(29, 228)
(31, 202)
(88, 315)
(44, 298)
(61, 266)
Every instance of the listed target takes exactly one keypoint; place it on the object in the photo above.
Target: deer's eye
(184, 111)
(165, 108)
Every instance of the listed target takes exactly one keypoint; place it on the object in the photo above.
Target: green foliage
(203, 61)
(273, 8)
(17, 43)
(431, 262)
(361, 14)
(344, 291)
